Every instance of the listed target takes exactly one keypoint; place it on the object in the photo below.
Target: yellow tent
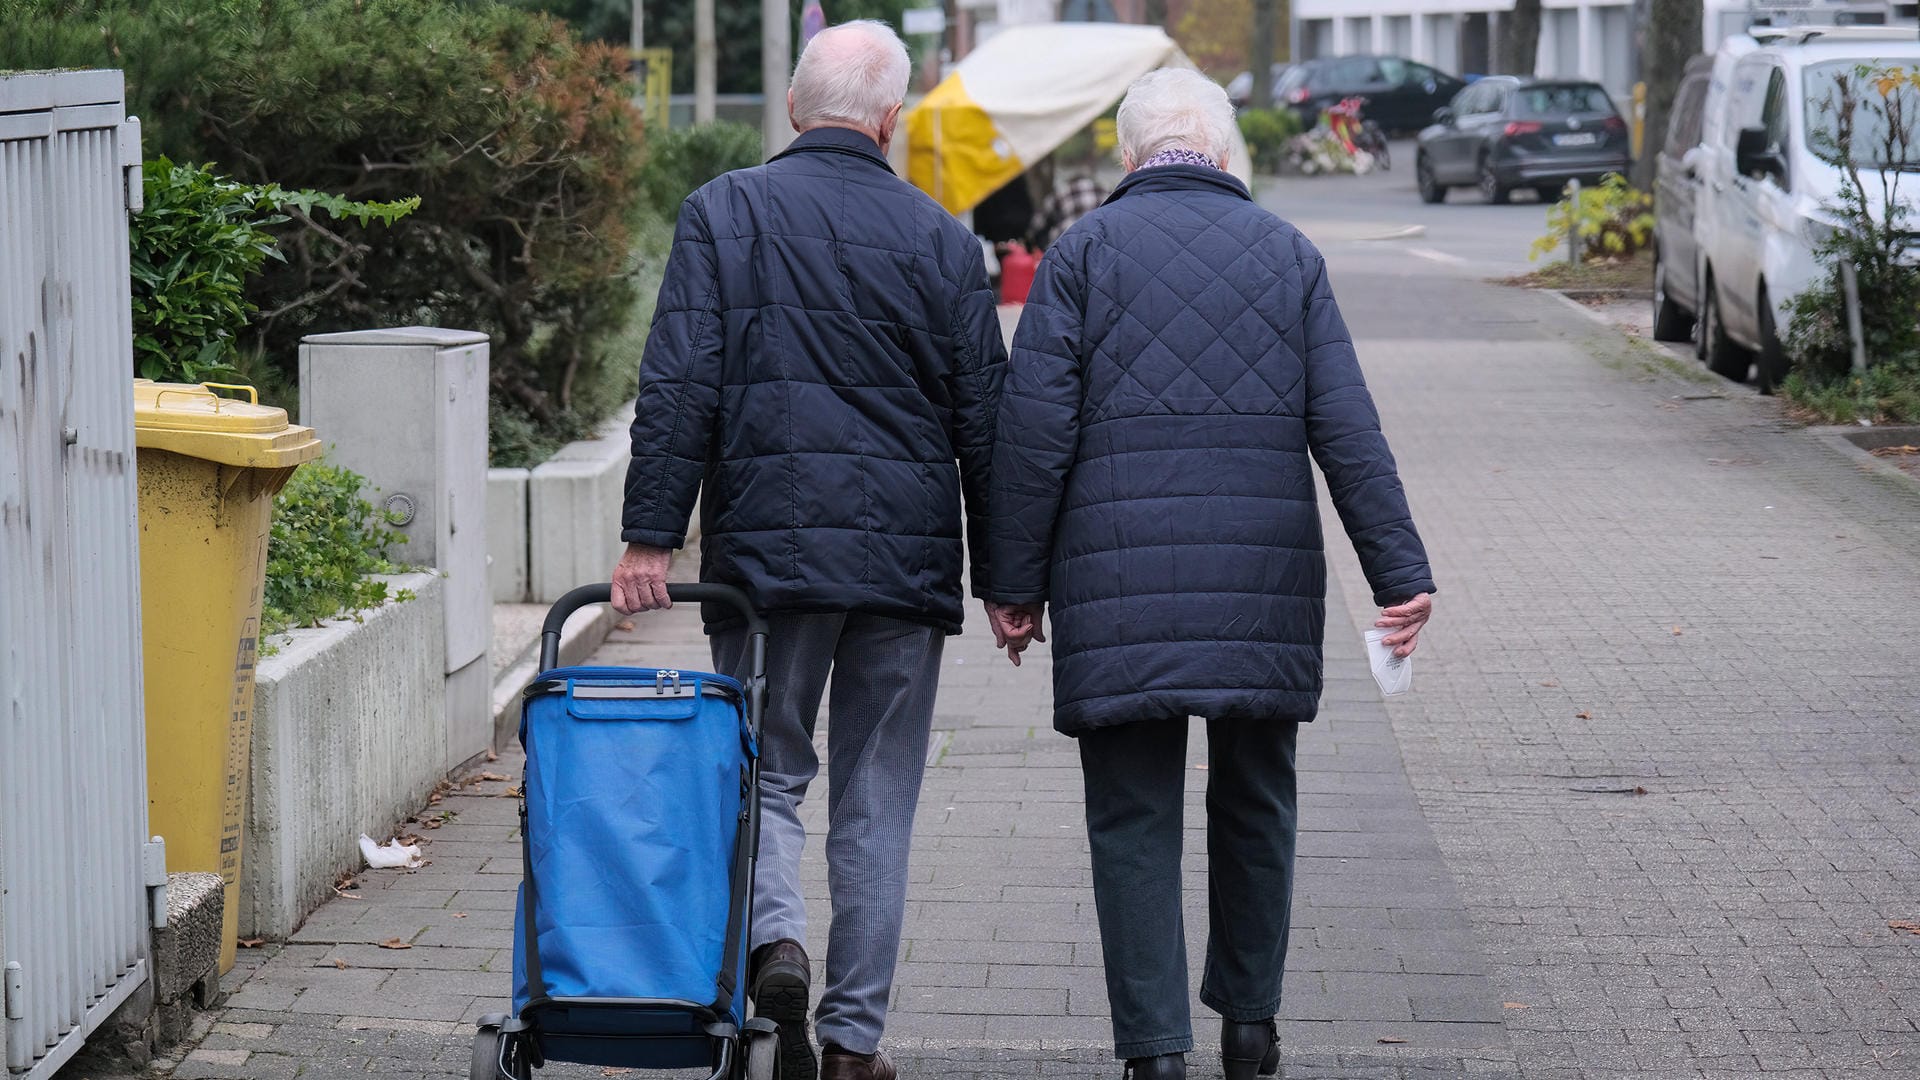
(1020, 95)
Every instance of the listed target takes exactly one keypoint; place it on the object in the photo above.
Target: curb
(1848, 440)
(577, 642)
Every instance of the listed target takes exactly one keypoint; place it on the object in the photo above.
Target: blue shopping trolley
(639, 824)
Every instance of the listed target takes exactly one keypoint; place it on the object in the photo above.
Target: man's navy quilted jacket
(1178, 358)
(826, 357)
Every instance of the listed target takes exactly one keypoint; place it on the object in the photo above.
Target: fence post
(1573, 222)
(1850, 283)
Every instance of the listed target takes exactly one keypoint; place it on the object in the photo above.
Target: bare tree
(1520, 39)
(1673, 37)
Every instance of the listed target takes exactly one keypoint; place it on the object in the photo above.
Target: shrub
(1267, 132)
(1612, 220)
(1869, 115)
(325, 542)
(520, 140)
(195, 247)
(679, 162)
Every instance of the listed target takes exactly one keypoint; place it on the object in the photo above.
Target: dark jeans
(1136, 781)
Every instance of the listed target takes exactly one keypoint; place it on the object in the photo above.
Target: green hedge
(325, 542)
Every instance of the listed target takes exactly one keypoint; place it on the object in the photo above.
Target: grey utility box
(407, 409)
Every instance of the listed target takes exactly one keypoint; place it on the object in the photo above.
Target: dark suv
(1503, 133)
(1401, 94)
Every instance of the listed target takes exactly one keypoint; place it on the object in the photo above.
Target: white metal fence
(74, 908)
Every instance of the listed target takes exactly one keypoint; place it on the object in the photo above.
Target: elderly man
(826, 361)
(1179, 358)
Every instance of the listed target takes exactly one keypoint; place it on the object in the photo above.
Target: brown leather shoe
(781, 980)
(838, 1064)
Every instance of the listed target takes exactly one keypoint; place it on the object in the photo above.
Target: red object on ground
(1016, 273)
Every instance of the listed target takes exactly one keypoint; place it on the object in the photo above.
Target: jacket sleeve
(1039, 431)
(977, 371)
(679, 390)
(1343, 429)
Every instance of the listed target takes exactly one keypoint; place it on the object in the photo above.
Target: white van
(1765, 194)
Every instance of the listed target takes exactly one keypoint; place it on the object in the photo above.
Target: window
(1393, 70)
(1475, 99)
(1355, 71)
(1773, 116)
(1683, 130)
(1576, 99)
(1875, 145)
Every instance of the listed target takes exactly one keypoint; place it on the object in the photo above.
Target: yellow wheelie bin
(209, 468)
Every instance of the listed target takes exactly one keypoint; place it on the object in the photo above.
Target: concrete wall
(349, 736)
(507, 535)
(573, 511)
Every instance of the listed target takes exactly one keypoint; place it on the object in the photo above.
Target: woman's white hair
(1174, 108)
(852, 73)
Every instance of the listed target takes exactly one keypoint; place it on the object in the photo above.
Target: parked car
(1766, 194)
(1676, 185)
(1240, 88)
(1503, 133)
(1400, 94)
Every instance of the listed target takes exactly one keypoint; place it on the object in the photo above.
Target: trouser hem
(846, 1039)
(1146, 1048)
(1238, 1015)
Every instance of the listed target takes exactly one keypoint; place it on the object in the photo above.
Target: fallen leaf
(1202, 766)
(1676, 631)
(1638, 790)
(1583, 715)
(459, 914)
(491, 756)
(254, 942)
(1549, 682)
(1389, 1039)
(1514, 1005)
(436, 797)
(623, 626)
(341, 964)
(511, 793)
(395, 943)
(1903, 926)
(488, 776)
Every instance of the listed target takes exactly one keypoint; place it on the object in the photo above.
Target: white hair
(1174, 108)
(852, 73)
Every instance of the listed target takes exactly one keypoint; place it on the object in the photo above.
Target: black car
(1400, 94)
(1240, 89)
(1503, 133)
(1676, 187)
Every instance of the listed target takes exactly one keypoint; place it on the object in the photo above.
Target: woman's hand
(1015, 626)
(1406, 621)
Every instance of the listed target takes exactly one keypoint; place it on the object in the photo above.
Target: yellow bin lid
(190, 419)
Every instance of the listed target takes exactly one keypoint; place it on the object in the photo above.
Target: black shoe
(1164, 1067)
(1249, 1050)
(781, 980)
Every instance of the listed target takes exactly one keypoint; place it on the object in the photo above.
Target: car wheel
(1723, 357)
(1548, 193)
(1491, 188)
(1431, 190)
(1670, 321)
(1772, 360)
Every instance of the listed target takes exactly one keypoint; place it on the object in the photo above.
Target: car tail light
(1523, 127)
(1615, 125)
(1299, 95)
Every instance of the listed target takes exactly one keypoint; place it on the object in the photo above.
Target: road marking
(1437, 256)
(1404, 232)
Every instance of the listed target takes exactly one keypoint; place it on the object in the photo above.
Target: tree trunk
(1673, 37)
(704, 62)
(1155, 13)
(1520, 43)
(1266, 17)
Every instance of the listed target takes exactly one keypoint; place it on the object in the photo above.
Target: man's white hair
(1175, 109)
(852, 73)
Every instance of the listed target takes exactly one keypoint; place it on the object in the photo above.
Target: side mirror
(1691, 161)
(1443, 115)
(1754, 156)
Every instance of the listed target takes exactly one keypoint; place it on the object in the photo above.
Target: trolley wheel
(499, 1057)
(762, 1056)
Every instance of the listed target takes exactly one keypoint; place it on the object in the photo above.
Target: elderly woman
(1179, 358)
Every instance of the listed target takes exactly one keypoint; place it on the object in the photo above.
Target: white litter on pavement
(391, 855)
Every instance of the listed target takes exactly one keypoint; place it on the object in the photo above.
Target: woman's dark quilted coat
(826, 358)
(1179, 357)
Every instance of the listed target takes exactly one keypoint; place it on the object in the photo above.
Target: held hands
(1406, 621)
(640, 580)
(1015, 626)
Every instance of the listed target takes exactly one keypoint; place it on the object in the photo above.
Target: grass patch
(1630, 275)
(1884, 394)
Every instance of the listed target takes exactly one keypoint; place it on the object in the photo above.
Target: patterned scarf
(1177, 156)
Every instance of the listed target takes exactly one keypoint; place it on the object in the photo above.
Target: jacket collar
(1179, 178)
(836, 140)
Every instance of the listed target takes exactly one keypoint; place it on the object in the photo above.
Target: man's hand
(1406, 621)
(1015, 626)
(640, 580)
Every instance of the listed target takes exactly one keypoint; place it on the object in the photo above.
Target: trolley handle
(679, 593)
